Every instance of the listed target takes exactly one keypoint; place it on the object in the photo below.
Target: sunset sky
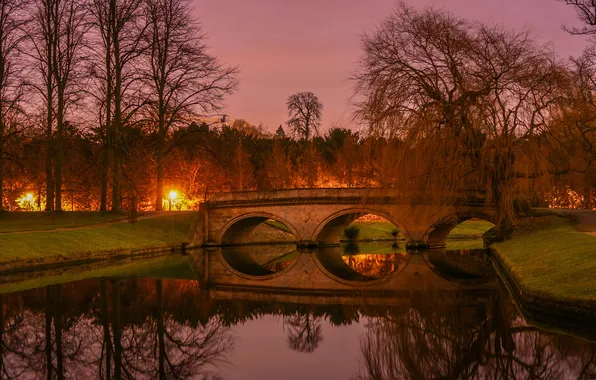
(283, 47)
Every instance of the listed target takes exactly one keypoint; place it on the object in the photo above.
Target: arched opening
(361, 246)
(257, 229)
(460, 231)
(359, 226)
(258, 245)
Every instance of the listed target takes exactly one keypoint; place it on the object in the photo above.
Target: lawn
(36, 221)
(549, 257)
(174, 266)
(44, 246)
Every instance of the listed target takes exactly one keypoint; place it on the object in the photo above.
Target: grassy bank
(81, 241)
(548, 258)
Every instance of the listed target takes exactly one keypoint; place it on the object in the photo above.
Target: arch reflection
(364, 262)
(260, 260)
(466, 266)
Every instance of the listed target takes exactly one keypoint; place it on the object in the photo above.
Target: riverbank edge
(544, 310)
(9, 268)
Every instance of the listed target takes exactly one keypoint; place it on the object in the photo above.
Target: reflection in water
(376, 265)
(462, 265)
(260, 259)
(448, 341)
(107, 329)
(362, 262)
(304, 331)
(134, 328)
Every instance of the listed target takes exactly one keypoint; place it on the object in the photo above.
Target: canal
(440, 314)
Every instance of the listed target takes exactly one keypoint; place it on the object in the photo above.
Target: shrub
(351, 232)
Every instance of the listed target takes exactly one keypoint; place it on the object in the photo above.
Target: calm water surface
(154, 319)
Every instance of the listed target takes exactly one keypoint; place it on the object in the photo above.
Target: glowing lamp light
(173, 195)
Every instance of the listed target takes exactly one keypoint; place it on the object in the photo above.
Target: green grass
(551, 258)
(159, 231)
(374, 230)
(36, 221)
(170, 266)
(471, 227)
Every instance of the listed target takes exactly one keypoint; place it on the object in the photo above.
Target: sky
(284, 46)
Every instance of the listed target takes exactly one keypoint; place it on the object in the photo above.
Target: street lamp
(172, 197)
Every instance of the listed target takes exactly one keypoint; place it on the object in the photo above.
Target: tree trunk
(159, 175)
(103, 206)
(1, 165)
(108, 124)
(117, 122)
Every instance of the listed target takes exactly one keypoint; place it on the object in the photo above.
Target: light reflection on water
(132, 327)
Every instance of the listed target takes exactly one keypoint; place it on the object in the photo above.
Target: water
(441, 315)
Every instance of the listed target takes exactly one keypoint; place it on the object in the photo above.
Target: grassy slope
(36, 221)
(159, 231)
(551, 258)
(170, 266)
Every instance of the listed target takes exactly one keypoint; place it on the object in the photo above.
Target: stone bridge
(318, 216)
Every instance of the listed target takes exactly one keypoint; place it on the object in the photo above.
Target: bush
(351, 232)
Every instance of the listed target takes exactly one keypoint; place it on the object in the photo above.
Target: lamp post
(172, 197)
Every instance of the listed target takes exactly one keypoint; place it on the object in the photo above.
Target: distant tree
(304, 110)
(280, 133)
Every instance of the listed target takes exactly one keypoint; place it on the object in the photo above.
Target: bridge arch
(331, 228)
(237, 230)
(437, 233)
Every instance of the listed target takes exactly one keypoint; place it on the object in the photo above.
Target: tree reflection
(452, 341)
(304, 331)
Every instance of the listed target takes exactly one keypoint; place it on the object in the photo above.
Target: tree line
(101, 105)
(96, 70)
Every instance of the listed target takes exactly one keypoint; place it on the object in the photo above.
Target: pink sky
(283, 47)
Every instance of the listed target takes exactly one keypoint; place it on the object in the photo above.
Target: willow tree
(462, 95)
(182, 77)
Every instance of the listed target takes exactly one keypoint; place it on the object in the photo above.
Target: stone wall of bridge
(319, 215)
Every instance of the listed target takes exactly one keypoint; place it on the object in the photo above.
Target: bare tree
(183, 78)
(120, 25)
(12, 20)
(304, 110)
(57, 39)
(586, 12)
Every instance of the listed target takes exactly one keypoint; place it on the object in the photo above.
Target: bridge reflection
(382, 266)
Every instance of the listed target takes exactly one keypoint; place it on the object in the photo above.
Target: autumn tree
(304, 110)
(12, 21)
(183, 78)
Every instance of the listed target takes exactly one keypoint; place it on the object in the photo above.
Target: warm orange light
(173, 195)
